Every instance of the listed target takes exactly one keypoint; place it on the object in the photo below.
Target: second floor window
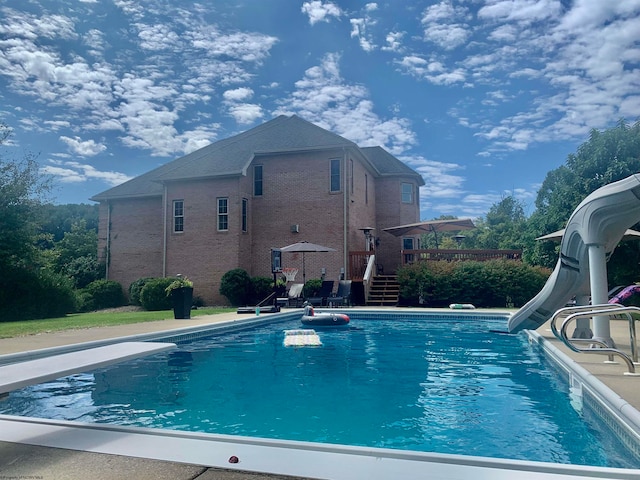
(257, 180)
(335, 175)
(223, 214)
(407, 193)
(178, 215)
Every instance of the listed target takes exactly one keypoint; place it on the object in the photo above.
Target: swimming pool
(406, 384)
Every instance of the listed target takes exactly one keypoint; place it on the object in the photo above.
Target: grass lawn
(93, 319)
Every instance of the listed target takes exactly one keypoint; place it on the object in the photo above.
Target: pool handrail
(588, 311)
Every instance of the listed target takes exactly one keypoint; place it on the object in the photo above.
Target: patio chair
(342, 298)
(294, 295)
(323, 294)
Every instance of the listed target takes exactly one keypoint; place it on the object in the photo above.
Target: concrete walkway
(25, 461)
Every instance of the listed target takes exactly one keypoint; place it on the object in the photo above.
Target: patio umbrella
(305, 247)
(431, 226)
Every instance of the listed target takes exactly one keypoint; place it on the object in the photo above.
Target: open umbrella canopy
(431, 226)
(557, 236)
(305, 247)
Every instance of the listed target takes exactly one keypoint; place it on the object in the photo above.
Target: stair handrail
(368, 275)
(588, 311)
(566, 311)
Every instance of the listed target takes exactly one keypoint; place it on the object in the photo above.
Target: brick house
(228, 204)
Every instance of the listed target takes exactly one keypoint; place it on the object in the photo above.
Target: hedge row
(495, 283)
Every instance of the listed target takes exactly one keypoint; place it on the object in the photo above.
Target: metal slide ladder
(570, 314)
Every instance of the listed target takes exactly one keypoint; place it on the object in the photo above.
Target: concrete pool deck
(19, 460)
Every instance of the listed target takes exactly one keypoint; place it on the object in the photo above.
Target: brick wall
(136, 239)
(392, 212)
(295, 192)
(201, 251)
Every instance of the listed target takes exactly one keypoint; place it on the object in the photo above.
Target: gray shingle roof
(232, 155)
(387, 164)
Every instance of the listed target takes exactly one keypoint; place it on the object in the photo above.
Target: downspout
(164, 235)
(345, 254)
(108, 246)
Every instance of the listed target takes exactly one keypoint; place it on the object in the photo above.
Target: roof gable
(387, 164)
(231, 156)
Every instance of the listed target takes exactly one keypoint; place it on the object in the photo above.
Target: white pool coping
(33, 372)
(302, 459)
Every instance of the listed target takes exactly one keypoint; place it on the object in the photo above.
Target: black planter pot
(182, 299)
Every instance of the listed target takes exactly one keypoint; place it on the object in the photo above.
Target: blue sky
(482, 97)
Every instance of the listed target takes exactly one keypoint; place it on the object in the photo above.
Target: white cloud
(246, 113)
(394, 42)
(324, 98)
(433, 71)
(157, 37)
(319, 11)
(444, 24)
(237, 106)
(238, 94)
(74, 172)
(88, 148)
(524, 11)
(360, 28)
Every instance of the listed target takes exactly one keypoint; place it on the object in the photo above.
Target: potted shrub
(181, 292)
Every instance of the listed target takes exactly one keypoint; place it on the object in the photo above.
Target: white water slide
(592, 234)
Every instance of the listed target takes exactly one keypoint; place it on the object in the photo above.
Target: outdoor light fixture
(368, 237)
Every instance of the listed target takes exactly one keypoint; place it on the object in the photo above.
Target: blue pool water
(436, 386)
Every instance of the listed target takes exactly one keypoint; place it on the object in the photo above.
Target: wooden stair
(384, 291)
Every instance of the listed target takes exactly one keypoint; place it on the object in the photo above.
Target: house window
(257, 180)
(407, 193)
(223, 214)
(335, 175)
(245, 208)
(407, 244)
(178, 216)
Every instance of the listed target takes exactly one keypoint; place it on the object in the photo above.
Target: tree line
(48, 253)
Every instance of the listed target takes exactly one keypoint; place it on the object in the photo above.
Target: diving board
(32, 372)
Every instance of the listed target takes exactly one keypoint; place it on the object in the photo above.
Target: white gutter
(164, 235)
(108, 252)
(345, 253)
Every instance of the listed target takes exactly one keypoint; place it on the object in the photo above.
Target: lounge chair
(342, 298)
(294, 295)
(325, 292)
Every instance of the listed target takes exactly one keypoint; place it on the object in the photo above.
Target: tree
(503, 226)
(606, 157)
(59, 219)
(22, 189)
(26, 289)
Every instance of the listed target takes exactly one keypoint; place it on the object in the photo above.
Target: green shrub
(84, 270)
(105, 294)
(496, 283)
(261, 288)
(135, 288)
(30, 294)
(153, 295)
(236, 286)
(312, 288)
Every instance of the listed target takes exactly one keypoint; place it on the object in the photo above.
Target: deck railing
(358, 261)
(450, 255)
